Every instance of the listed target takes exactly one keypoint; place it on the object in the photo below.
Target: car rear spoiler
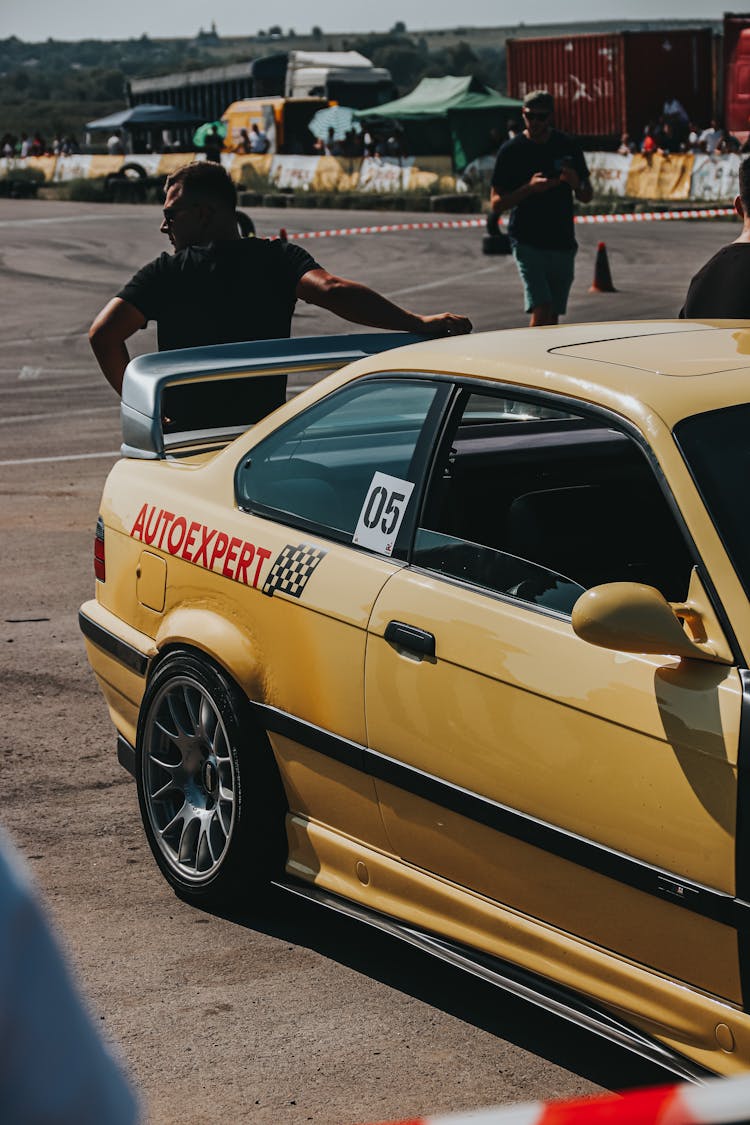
(149, 433)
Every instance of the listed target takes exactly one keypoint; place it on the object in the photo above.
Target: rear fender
(229, 646)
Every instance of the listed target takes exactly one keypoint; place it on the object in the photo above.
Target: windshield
(716, 447)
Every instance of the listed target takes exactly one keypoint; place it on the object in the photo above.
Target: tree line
(56, 86)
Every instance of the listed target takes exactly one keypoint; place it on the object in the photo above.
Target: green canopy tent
(447, 115)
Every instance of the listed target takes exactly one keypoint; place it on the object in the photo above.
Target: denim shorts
(547, 275)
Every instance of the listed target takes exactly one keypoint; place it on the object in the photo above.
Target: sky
(34, 20)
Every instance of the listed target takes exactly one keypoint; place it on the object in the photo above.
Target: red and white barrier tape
(476, 224)
(719, 1102)
(438, 224)
(658, 216)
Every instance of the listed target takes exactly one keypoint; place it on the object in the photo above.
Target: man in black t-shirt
(721, 288)
(537, 174)
(218, 288)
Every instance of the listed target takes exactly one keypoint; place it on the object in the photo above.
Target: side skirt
(551, 998)
(126, 755)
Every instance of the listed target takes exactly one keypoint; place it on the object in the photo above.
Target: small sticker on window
(382, 513)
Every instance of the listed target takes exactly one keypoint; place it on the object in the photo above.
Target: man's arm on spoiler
(116, 322)
(361, 305)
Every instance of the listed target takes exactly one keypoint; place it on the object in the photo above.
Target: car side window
(347, 467)
(541, 504)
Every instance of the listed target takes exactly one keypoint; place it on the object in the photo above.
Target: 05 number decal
(382, 513)
(378, 500)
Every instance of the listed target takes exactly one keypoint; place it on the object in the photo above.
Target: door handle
(410, 638)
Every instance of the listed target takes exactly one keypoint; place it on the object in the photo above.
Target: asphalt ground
(294, 1015)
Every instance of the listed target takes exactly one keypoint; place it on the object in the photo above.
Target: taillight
(99, 569)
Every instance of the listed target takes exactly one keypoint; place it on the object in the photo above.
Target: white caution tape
(659, 216)
(476, 224)
(445, 224)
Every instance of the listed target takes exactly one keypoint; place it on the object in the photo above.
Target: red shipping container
(737, 74)
(605, 85)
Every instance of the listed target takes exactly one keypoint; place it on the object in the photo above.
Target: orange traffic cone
(602, 282)
(283, 237)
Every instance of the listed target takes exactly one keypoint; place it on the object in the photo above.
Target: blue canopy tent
(143, 126)
(160, 116)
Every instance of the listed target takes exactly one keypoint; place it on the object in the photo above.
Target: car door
(593, 790)
(318, 494)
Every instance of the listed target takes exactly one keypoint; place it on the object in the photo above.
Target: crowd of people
(673, 131)
(354, 143)
(256, 141)
(376, 145)
(35, 145)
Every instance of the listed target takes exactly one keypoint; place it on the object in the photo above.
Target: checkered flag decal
(292, 569)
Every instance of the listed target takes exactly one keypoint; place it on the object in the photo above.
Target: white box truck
(345, 77)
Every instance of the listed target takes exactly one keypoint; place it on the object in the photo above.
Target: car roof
(674, 367)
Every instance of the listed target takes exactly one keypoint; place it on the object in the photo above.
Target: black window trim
(699, 488)
(289, 519)
(322, 531)
(485, 591)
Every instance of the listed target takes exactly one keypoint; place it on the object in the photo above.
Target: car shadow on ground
(446, 988)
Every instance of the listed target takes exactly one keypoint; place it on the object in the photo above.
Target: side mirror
(631, 617)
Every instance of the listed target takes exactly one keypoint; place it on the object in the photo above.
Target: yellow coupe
(456, 641)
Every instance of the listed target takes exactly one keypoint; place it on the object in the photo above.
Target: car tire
(133, 171)
(210, 794)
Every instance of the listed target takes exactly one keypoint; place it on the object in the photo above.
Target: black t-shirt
(221, 293)
(721, 288)
(544, 220)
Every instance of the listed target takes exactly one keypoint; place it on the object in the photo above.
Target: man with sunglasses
(218, 288)
(537, 175)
